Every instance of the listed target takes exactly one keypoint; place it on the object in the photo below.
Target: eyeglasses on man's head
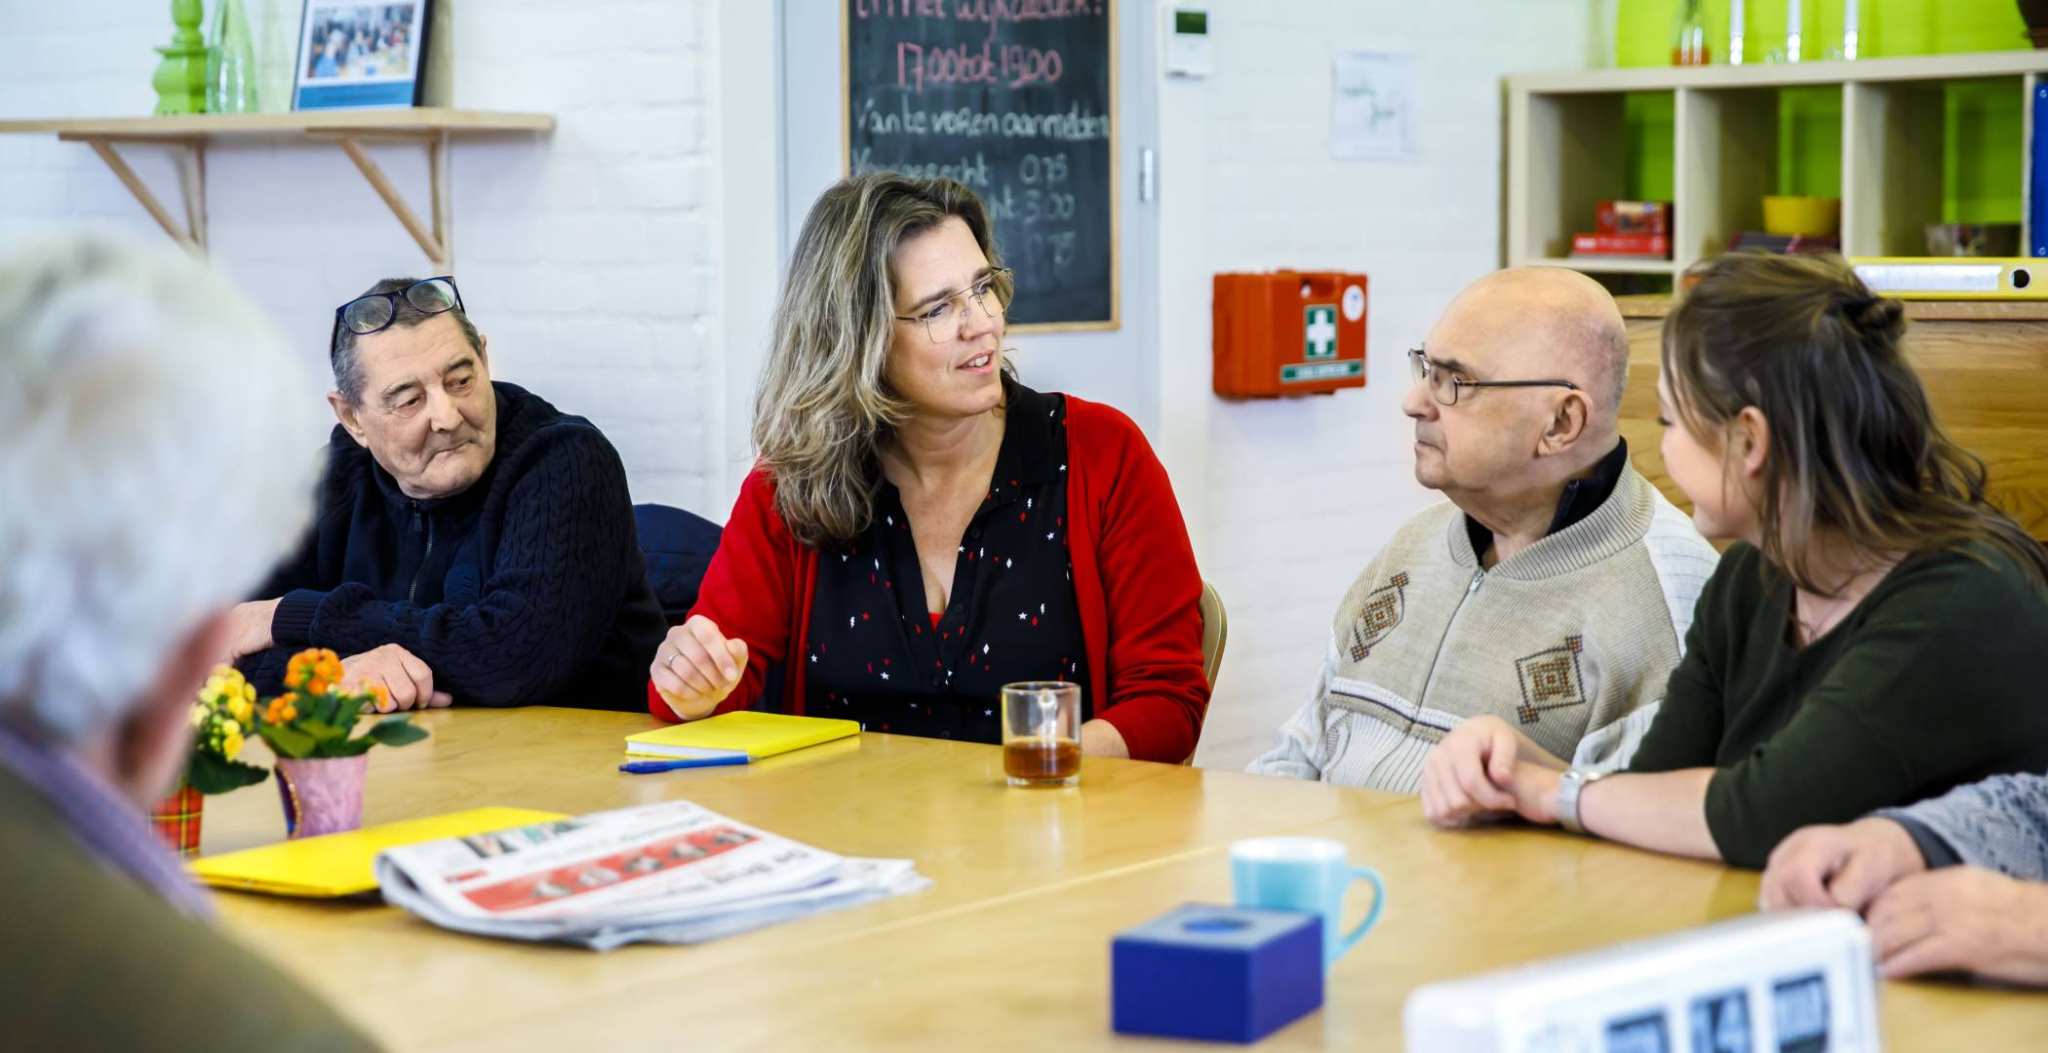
(374, 312)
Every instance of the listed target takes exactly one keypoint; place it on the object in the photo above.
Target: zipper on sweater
(1421, 697)
(413, 590)
(1478, 577)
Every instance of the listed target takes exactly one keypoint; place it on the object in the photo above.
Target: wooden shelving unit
(1567, 149)
(432, 127)
(1981, 361)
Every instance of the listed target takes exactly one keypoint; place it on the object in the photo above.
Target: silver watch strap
(1569, 787)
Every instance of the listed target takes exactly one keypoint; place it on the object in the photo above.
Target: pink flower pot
(321, 795)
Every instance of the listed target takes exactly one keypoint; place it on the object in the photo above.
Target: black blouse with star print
(875, 655)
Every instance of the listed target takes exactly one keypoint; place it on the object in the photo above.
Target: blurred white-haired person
(151, 470)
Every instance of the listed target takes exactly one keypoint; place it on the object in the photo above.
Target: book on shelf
(1622, 246)
(1632, 217)
(2037, 191)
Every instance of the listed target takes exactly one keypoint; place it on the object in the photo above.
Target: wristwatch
(1572, 783)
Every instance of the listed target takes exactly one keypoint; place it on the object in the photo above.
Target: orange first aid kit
(1288, 333)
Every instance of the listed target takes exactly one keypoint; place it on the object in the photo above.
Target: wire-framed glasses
(942, 320)
(1444, 384)
(375, 312)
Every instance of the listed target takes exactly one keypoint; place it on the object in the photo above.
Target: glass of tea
(1042, 733)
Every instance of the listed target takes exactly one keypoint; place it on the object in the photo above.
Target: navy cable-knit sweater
(526, 588)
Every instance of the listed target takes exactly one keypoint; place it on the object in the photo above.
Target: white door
(1117, 366)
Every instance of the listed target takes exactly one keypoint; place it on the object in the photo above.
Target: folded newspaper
(659, 873)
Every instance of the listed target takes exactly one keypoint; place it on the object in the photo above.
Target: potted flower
(320, 766)
(222, 718)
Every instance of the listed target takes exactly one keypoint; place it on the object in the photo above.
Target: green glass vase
(230, 61)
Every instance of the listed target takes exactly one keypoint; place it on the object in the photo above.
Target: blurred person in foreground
(152, 470)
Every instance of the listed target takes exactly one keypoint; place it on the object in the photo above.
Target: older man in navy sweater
(473, 543)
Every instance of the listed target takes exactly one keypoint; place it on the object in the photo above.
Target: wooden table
(1010, 947)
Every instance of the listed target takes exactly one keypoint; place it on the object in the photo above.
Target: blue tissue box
(1231, 974)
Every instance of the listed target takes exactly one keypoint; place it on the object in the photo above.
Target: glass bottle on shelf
(230, 61)
(1851, 45)
(1689, 45)
(1792, 46)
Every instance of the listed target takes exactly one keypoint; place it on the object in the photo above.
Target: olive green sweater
(1933, 680)
(91, 959)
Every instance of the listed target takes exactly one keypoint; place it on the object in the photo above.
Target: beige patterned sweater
(1570, 640)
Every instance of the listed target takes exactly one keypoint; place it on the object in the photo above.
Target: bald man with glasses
(1548, 598)
(473, 544)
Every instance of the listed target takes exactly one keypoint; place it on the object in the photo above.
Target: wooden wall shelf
(1568, 143)
(433, 127)
(1981, 361)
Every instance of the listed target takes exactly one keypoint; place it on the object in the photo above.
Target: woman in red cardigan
(921, 527)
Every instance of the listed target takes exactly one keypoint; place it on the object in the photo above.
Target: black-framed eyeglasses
(1444, 384)
(375, 312)
(951, 312)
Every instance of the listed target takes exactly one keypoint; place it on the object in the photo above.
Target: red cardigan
(1135, 583)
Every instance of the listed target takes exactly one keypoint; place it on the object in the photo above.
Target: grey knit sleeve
(1299, 742)
(2000, 823)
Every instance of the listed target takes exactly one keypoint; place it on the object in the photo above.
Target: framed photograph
(355, 55)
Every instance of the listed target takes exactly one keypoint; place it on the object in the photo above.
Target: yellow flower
(241, 709)
(231, 746)
(198, 714)
(231, 727)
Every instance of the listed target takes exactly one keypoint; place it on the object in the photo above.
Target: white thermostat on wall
(1188, 51)
(1792, 982)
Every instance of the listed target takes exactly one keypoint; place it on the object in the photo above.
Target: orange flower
(283, 708)
(315, 670)
(295, 670)
(381, 697)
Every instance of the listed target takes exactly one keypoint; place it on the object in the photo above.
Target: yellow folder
(340, 864)
(755, 734)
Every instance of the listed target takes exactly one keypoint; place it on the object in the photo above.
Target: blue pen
(649, 767)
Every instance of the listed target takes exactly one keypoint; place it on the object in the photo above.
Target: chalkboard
(1016, 99)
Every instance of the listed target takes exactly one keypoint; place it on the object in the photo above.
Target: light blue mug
(1307, 874)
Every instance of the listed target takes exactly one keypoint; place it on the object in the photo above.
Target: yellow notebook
(755, 734)
(340, 864)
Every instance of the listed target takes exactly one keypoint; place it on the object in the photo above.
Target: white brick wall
(590, 260)
(625, 268)
(1289, 499)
